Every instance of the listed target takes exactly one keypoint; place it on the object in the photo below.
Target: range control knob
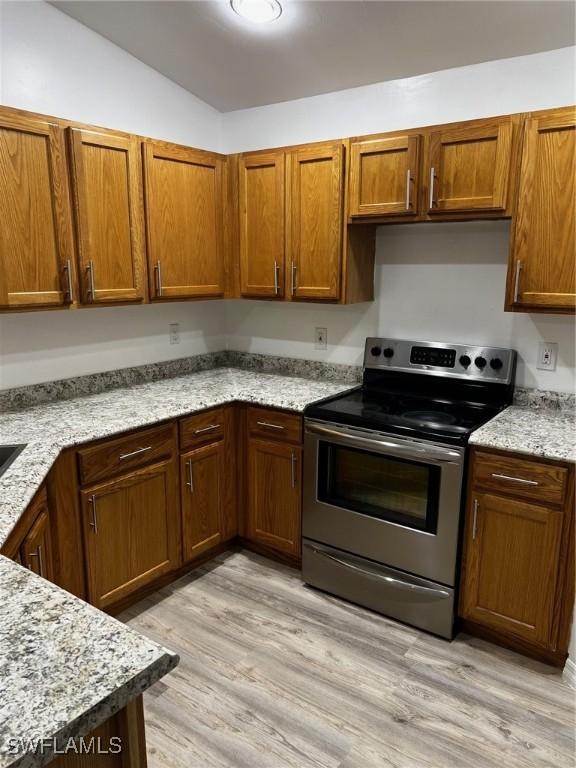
(464, 361)
(375, 351)
(496, 363)
(388, 352)
(480, 362)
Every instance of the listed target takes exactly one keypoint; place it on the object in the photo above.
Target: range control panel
(458, 360)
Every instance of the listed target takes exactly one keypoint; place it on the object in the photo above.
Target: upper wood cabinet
(107, 193)
(261, 189)
(36, 238)
(315, 221)
(542, 266)
(384, 176)
(184, 202)
(468, 167)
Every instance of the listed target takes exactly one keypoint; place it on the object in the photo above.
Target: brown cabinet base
(119, 742)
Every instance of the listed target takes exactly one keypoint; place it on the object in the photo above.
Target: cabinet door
(274, 495)
(36, 243)
(511, 566)
(184, 197)
(469, 168)
(542, 270)
(36, 550)
(384, 176)
(131, 532)
(202, 478)
(316, 210)
(107, 192)
(262, 224)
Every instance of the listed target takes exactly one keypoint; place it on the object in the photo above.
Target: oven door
(390, 499)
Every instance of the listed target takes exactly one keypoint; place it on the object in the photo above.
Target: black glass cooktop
(433, 418)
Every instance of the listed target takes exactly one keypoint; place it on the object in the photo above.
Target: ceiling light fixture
(258, 11)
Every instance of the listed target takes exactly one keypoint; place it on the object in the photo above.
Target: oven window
(401, 491)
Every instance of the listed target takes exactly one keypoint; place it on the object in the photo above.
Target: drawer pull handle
(91, 283)
(408, 189)
(69, 289)
(432, 201)
(515, 479)
(293, 469)
(190, 481)
(268, 425)
(209, 428)
(517, 282)
(137, 452)
(94, 522)
(276, 284)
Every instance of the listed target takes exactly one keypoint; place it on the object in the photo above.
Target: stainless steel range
(383, 476)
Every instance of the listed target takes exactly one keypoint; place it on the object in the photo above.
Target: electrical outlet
(321, 338)
(547, 356)
(174, 329)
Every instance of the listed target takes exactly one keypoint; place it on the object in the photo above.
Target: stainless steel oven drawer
(410, 599)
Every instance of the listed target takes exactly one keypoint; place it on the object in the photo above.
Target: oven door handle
(431, 452)
(416, 590)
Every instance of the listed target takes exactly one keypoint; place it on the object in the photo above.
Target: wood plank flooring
(274, 674)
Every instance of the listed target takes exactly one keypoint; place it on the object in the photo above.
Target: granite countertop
(65, 666)
(52, 426)
(533, 431)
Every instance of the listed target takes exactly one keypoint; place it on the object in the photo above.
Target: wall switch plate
(174, 333)
(547, 356)
(321, 338)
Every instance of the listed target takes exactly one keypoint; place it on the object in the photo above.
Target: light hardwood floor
(277, 675)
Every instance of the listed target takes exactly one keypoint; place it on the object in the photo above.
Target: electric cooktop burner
(420, 390)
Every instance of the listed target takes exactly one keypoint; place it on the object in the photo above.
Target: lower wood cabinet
(32, 544)
(274, 495)
(516, 575)
(120, 742)
(131, 531)
(202, 478)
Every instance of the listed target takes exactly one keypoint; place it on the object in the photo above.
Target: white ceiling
(320, 46)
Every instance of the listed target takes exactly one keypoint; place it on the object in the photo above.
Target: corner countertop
(65, 666)
(50, 427)
(542, 432)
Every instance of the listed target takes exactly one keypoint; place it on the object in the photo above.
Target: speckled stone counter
(65, 667)
(49, 427)
(544, 432)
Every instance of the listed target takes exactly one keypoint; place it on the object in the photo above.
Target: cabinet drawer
(201, 428)
(276, 425)
(545, 483)
(116, 456)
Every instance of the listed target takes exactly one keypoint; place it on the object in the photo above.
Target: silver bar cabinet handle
(268, 425)
(94, 522)
(209, 428)
(69, 288)
(276, 269)
(408, 189)
(158, 274)
(294, 268)
(137, 452)
(515, 479)
(475, 520)
(91, 286)
(432, 177)
(293, 468)
(37, 554)
(517, 280)
(190, 481)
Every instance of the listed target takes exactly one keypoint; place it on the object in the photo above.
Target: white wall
(442, 282)
(52, 64)
(436, 282)
(55, 65)
(520, 84)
